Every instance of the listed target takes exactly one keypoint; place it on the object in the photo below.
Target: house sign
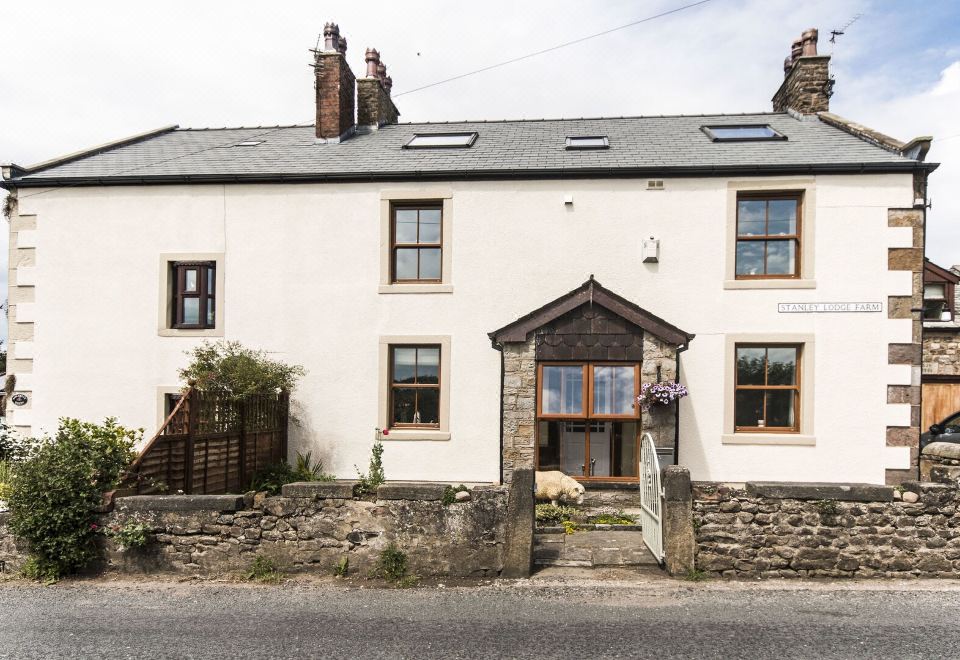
(821, 307)
(19, 399)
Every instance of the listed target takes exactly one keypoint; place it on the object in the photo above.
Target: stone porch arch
(590, 323)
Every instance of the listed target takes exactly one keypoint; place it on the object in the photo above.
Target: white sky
(77, 74)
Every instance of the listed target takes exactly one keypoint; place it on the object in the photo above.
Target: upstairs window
(742, 133)
(194, 294)
(936, 301)
(588, 142)
(768, 236)
(416, 243)
(441, 140)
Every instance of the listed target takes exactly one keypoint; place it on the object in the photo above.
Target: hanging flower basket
(660, 394)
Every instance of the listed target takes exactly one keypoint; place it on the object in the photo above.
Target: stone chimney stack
(334, 86)
(807, 85)
(374, 105)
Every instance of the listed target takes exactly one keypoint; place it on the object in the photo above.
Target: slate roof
(639, 146)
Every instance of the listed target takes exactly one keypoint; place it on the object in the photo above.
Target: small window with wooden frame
(767, 388)
(768, 235)
(415, 386)
(194, 295)
(416, 243)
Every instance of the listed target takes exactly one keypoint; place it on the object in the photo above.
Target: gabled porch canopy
(594, 293)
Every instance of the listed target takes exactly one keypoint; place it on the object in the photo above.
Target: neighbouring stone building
(941, 343)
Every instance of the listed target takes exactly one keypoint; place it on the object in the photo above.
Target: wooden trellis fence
(211, 444)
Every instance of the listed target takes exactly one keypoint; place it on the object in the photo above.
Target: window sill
(770, 284)
(184, 332)
(416, 434)
(795, 439)
(416, 288)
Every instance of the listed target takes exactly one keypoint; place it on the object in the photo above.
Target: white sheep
(555, 486)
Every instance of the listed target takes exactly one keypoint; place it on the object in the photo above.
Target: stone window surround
(806, 436)
(165, 296)
(383, 395)
(445, 197)
(162, 392)
(808, 224)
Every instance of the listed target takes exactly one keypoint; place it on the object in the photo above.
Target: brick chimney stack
(807, 85)
(374, 105)
(334, 86)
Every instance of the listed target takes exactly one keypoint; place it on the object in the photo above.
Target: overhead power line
(553, 48)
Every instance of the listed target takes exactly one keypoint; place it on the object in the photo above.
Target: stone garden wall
(311, 527)
(827, 530)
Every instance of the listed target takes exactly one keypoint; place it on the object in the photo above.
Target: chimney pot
(334, 86)
(373, 59)
(388, 84)
(331, 36)
(807, 83)
(810, 42)
(381, 71)
(796, 49)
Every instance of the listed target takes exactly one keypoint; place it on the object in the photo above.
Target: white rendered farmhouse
(496, 293)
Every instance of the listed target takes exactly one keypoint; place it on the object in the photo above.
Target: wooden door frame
(585, 417)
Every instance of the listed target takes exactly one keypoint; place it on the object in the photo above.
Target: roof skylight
(588, 142)
(249, 143)
(742, 133)
(441, 140)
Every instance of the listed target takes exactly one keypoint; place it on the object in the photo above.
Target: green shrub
(553, 514)
(13, 448)
(130, 535)
(695, 575)
(56, 490)
(450, 494)
(6, 479)
(41, 571)
(374, 477)
(618, 518)
(231, 369)
(392, 566)
(272, 478)
(264, 569)
(343, 567)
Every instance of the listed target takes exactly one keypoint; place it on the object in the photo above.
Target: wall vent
(655, 184)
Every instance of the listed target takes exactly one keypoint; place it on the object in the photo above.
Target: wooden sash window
(415, 386)
(416, 243)
(194, 294)
(767, 396)
(768, 235)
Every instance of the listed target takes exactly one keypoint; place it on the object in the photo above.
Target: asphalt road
(545, 618)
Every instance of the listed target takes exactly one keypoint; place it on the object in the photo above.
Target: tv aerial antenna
(839, 32)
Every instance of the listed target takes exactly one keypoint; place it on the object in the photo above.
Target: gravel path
(557, 615)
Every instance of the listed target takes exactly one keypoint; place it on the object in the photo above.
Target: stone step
(591, 549)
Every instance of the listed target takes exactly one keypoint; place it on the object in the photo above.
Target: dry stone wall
(827, 530)
(310, 528)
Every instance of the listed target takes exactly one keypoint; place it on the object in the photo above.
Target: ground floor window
(767, 388)
(415, 386)
(588, 420)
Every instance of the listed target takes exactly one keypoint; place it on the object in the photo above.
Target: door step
(592, 548)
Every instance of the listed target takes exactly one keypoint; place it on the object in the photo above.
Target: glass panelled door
(588, 420)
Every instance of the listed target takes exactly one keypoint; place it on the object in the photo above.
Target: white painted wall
(302, 273)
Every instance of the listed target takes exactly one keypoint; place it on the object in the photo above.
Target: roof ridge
(500, 121)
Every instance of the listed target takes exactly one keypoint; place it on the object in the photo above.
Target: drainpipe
(676, 411)
(499, 347)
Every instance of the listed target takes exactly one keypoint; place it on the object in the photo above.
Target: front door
(588, 420)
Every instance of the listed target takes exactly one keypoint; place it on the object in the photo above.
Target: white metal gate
(651, 497)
